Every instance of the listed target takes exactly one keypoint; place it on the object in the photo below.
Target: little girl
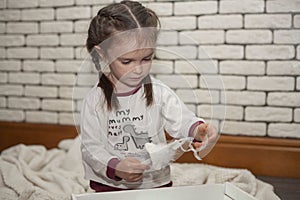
(128, 108)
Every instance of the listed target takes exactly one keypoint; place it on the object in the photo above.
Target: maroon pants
(99, 187)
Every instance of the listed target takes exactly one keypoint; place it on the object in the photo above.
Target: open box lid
(233, 192)
(225, 191)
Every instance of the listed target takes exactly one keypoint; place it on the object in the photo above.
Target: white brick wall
(22, 53)
(162, 67)
(287, 37)
(42, 40)
(178, 23)
(195, 8)
(2, 102)
(72, 13)
(269, 114)
(220, 21)
(57, 105)
(56, 27)
(219, 82)
(297, 115)
(2, 53)
(68, 66)
(284, 130)
(2, 27)
(12, 115)
(3, 4)
(10, 15)
(245, 128)
(56, 3)
(68, 118)
(246, 52)
(297, 21)
(22, 4)
(22, 27)
(182, 81)
(41, 117)
(202, 37)
(11, 90)
(268, 21)
(244, 97)
(242, 67)
(10, 65)
(12, 40)
(168, 38)
(176, 52)
(40, 14)
(23, 103)
(58, 79)
(242, 6)
(283, 6)
(283, 67)
(25, 78)
(270, 52)
(270, 83)
(41, 91)
(163, 9)
(72, 39)
(221, 52)
(38, 65)
(221, 112)
(249, 36)
(197, 96)
(57, 53)
(280, 99)
(196, 66)
(3, 77)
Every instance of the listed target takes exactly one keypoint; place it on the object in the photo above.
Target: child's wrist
(111, 169)
(193, 129)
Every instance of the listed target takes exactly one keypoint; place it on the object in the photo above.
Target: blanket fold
(32, 172)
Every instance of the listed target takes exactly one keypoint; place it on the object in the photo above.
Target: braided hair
(118, 17)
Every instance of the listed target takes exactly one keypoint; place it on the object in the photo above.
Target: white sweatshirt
(122, 133)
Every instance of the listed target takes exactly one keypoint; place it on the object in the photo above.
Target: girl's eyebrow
(125, 58)
(150, 54)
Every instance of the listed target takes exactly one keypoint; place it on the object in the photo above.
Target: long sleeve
(94, 142)
(179, 120)
(108, 137)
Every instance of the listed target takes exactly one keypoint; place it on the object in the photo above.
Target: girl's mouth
(136, 79)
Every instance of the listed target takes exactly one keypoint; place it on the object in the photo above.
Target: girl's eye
(147, 59)
(125, 62)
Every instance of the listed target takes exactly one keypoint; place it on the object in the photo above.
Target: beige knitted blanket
(34, 173)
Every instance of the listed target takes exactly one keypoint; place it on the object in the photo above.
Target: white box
(225, 191)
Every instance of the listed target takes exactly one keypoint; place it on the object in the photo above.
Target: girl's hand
(207, 135)
(130, 169)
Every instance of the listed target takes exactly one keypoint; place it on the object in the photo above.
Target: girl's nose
(138, 69)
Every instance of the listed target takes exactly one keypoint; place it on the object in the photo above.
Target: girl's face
(128, 70)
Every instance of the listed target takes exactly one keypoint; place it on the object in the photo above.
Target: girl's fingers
(203, 127)
(197, 145)
(138, 167)
(135, 177)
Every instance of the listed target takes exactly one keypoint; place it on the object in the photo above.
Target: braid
(95, 59)
(148, 90)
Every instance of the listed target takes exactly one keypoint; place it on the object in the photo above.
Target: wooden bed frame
(261, 155)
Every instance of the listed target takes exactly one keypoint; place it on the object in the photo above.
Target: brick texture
(238, 56)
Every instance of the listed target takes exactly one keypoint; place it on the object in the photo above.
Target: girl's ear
(99, 58)
(99, 51)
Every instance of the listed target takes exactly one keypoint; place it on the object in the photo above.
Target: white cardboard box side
(235, 193)
(209, 191)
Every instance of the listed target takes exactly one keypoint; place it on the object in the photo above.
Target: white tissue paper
(162, 154)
